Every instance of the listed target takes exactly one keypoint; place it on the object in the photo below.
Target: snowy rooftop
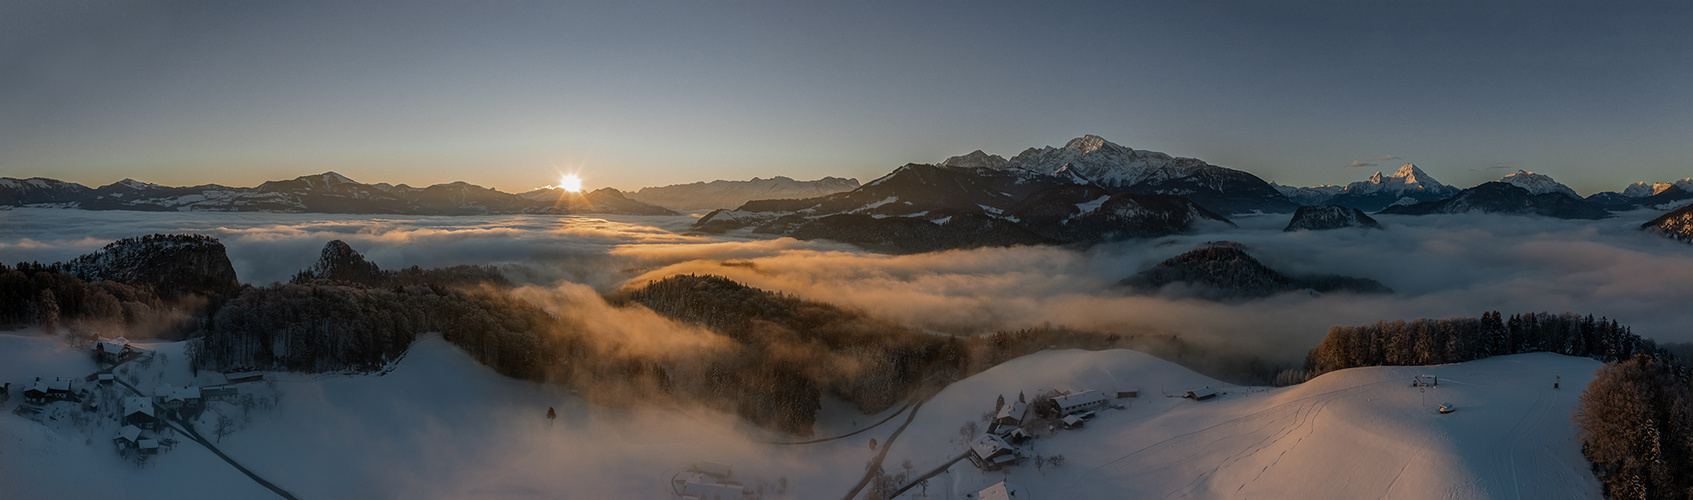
(1002, 491)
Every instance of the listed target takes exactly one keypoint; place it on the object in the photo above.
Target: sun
(571, 183)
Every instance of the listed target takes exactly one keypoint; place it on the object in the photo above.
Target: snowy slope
(439, 425)
(1360, 433)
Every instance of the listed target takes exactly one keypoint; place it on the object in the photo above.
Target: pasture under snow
(439, 425)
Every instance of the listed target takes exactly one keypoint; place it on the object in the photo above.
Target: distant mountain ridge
(1409, 184)
(328, 192)
(919, 208)
(731, 194)
(1503, 198)
(1120, 169)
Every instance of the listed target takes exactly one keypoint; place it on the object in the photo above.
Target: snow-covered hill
(439, 425)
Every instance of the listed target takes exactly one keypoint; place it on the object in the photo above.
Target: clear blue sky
(632, 94)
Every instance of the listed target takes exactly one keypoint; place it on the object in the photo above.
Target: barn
(1079, 402)
(1201, 394)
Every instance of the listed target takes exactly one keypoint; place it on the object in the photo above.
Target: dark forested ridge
(1635, 421)
(1437, 341)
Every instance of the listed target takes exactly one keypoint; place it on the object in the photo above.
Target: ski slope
(439, 425)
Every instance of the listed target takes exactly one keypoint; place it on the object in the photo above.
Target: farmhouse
(138, 411)
(1012, 414)
(1003, 491)
(991, 453)
(1201, 394)
(1079, 402)
(111, 351)
(179, 399)
(45, 391)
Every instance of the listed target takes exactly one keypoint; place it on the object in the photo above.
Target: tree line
(1438, 341)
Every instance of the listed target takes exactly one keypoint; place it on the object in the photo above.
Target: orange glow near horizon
(570, 182)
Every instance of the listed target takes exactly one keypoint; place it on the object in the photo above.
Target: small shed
(1079, 402)
(105, 378)
(148, 446)
(1126, 391)
(1003, 491)
(1073, 422)
(1201, 394)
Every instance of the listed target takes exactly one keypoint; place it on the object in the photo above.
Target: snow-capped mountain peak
(1407, 178)
(976, 159)
(1644, 189)
(1090, 143)
(1538, 183)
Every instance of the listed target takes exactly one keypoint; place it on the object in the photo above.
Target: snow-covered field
(439, 425)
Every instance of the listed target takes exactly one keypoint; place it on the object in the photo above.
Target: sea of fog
(1439, 266)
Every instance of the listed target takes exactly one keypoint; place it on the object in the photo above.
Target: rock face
(730, 194)
(1330, 217)
(174, 264)
(323, 193)
(339, 262)
(1379, 191)
(1501, 198)
(1677, 224)
(1226, 272)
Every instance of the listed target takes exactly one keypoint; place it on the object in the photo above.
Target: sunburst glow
(571, 183)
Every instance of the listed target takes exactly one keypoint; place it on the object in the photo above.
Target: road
(188, 430)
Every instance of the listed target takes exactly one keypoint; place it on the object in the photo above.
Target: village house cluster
(142, 419)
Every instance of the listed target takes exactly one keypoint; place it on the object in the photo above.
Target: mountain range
(328, 192)
(731, 194)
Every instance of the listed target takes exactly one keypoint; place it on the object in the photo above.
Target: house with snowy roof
(1012, 414)
(991, 452)
(128, 438)
(1003, 491)
(1201, 394)
(138, 411)
(112, 350)
(1079, 402)
(45, 391)
(179, 399)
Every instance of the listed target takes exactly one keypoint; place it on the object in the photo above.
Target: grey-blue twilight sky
(508, 94)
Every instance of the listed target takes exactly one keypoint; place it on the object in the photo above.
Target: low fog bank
(1439, 266)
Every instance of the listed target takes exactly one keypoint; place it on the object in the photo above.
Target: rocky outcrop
(173, 264)
(1328, 217)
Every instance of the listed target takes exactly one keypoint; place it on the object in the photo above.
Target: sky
(510, 94)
